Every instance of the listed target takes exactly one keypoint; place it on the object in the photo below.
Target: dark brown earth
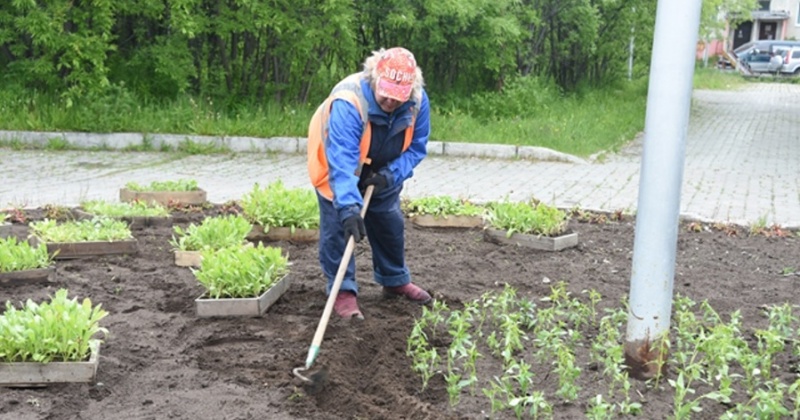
(160, 361)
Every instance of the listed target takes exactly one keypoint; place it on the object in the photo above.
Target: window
(763, 5)
(798, 15)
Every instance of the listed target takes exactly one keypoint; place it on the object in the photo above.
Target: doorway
(767, 30)
(742, 34)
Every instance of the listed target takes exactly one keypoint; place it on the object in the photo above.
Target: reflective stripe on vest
(348, 89)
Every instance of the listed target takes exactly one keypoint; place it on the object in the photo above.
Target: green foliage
(241, 272)
(294, 51)
(169, 185)
(527, 218)
(18, 256)
(59, 330)
(531, 352)
(117, 210)
(442, 206)
(531, 113)
(58, 45)
(213, 233)
(97, 229)
(278, 206)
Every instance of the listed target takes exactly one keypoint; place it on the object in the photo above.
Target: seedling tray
(453, 221)
(241, 306)
(33, 374)
(134, 222)
(37, 275)
(67, 250)
(283, 234)
(165, 198)
(544, 243)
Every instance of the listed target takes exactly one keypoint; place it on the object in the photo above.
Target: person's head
(394, 77)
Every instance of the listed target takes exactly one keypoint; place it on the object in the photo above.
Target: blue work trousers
(385, 231)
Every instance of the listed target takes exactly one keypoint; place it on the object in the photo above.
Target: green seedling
(527, 218)
(96, 229)
(441, 206)
(213, 233)
(241, 272)
(278, 206)
(176, 185)
(133, 209)
(18, 256)
(59, 330)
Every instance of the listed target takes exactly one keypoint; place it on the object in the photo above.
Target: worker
(371, 131)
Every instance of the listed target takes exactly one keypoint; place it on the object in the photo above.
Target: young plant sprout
(19, 256)
(96, 229)
(213, 233)
(527, 218)
(278, 206)
(59, 330)
(117, 210)
(241, 272)
(441, 206)
(176, 185)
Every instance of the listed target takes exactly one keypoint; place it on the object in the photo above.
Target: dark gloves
(354, 226)
(380, 180)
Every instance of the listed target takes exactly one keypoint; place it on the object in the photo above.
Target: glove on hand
(380, 180)
(354, 226)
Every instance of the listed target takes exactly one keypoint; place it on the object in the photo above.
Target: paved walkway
(742, 166)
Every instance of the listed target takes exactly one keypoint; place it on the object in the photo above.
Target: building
(775, 19)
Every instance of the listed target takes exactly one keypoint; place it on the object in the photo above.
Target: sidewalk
(742, 165)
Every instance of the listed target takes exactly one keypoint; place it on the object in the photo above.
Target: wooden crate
(283, 234)
(256, 306)
(544, 243)
(165, 198)
(466, 222)
(68, 250)
(30, 374)
(38, 275)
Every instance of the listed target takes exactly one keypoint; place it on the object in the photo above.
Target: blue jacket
(388, 132)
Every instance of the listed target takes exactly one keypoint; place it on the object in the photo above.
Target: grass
(581, 126)
(712, 79)
(527, 114)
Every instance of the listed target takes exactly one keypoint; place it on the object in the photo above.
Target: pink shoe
(411, 291)
(346, 306)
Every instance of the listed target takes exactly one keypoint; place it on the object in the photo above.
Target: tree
(718, 17)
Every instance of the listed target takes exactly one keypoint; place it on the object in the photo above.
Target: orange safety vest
(348, 89)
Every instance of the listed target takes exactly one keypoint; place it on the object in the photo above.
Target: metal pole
(666, 121)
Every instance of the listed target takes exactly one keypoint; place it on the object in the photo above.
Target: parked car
(769, 56)
(791, 59)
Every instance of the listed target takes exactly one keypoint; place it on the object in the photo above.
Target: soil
(160, 361)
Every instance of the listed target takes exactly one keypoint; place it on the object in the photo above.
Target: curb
(288, 145)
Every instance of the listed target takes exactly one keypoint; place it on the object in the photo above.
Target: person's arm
(342, 152)
(402, 168)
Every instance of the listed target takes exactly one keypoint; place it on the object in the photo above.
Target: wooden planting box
(283, 234)
(544, 243)
(165, 198)
(188, 258)
(5, 230)
(30, 374)
(454, 221)
(242, 306)
(37, 275)
(67, 250)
